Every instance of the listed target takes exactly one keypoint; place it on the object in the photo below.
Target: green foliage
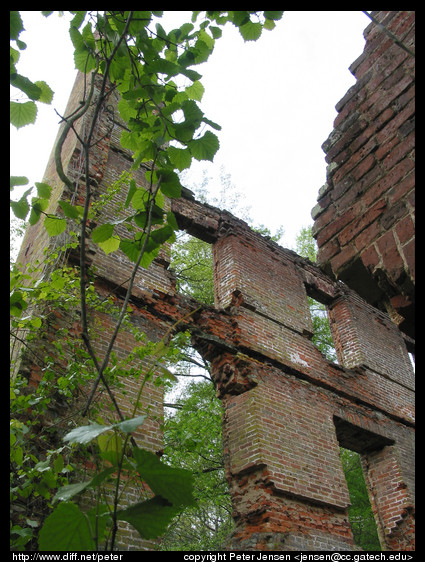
(191, 260)
(193, 439)
(305, 244)
(360, 513)
(133, 50)
(23, 113)
(67, 527)
(155, 73)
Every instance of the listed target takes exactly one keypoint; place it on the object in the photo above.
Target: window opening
(322, 335)
(360, 515)
(193, 441)
(192, 263)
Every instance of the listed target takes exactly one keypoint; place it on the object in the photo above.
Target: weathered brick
(405, 229)
(375, 161)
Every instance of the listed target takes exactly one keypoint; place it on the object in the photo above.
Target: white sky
(274, 98)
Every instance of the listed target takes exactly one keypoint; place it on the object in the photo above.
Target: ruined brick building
(287, 409)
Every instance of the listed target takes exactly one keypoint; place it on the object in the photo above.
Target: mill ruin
(287, 409)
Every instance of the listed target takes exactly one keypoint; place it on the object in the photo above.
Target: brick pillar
(282, 455)
(391, 498)
(282, 460)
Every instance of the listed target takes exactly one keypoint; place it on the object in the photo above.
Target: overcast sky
(274, 98)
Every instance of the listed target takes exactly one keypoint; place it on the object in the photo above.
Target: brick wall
(364, 218)
(281, 397)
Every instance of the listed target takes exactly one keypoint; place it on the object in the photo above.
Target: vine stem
(59, 167)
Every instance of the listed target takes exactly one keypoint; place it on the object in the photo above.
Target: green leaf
(139, 198)
(67, 492)
(26, 86)
(88, 37)
(131, 249)
(37, 206)
(58, 463)
(110, 245)
(181, 158)
(69, 210)
(172, 221)
(18, 180)
(127, 426)
(16, 24)
(277, 15)
(141, 219)
(20, 208)
(57, 281)
(149, 256)
(17, 303)
(125, 109)
(54, 225)
(173, 484)
(43, 190)
(130, 140)
(102, 233)
(85, 433)
(195, 91)
(170, 183)
(216, 32)
(66, 529)
(269, 25)
(189, 73)
(251, 31)
(162, 234)
(84, 61)
(163, 66)
(110, 446)
(212, 124)
(131, 192)
(22, 114)
(193, 115)
(78, 19)
(150, 518)
(46, 94)
(204, 148)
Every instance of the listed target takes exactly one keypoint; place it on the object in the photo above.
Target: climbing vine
(154, 71)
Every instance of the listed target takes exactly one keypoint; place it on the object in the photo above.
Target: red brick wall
(364, 218)
(281, 397)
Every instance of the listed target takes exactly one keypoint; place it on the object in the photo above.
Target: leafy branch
(128, 52)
